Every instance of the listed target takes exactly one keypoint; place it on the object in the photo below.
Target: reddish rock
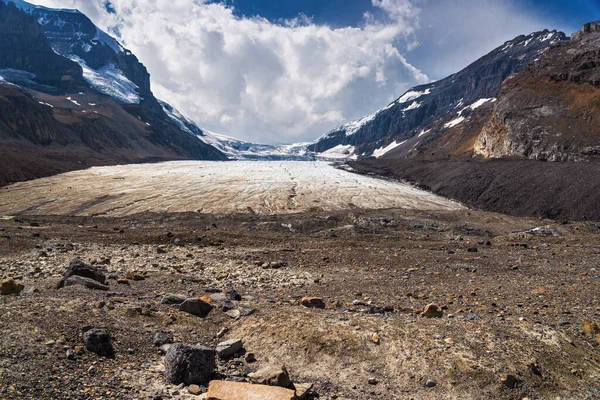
(313, 302)
(223, 390)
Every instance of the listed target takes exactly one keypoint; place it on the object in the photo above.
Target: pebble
(313, 302)
(229, 348)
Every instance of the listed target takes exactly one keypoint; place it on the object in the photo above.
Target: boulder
(223, 390)
(86, 282)
(228, 348)
(79, 268)
(189, 364)
(271, 377)
(10, 286)
(97, 341)
(196, 307)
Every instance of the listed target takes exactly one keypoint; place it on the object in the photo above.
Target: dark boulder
(189, 364)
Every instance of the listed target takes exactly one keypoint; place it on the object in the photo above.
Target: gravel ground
(514, 302)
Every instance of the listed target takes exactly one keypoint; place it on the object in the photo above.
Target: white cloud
(258, 80)
(294, 80)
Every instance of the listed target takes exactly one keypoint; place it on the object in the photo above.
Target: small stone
(235, 314)
(433, 311)
(271, 377)
(430, 383)
(195, 390)
(375, 338)
(229, 348)
(189, 364)
(165, 348)
(313, 302)
(10, 286)
(70, 354)
(97, 341)
(162, 338)
(227, 306)
(303, 390)
(509, 380)
(250, 358)
(79, 350)
(234, 295)
(222, 332)
(373, 381)
(196, 307)
(172, 299)
(123, 281)
(161, 250)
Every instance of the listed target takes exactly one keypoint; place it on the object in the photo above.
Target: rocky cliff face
(551, 111)
(450, 101)
(24, 47)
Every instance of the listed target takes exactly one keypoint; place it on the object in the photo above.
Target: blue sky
(566, 16)
(284, 78)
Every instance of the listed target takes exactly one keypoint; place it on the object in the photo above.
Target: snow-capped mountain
(429, 110)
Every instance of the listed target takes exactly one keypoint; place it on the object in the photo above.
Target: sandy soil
(212, 187)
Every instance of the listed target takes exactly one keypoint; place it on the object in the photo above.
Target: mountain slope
(432, 109)
(551, 111)
(55, 118)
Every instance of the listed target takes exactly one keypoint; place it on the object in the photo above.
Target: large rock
(97, 341)
(196, 307)
(223, 390)
(271, 377)
(10, 286)
(79, 268)
(189, 364)
(86, 282)
(230, 347)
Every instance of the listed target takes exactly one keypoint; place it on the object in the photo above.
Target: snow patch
(424, 132)
(386, 149)
(412, 95)
(339, 152)
(110, 81)
(454, 122)
(73, 101)
(46, 104)
(413, 106)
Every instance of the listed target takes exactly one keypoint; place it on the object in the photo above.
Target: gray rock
(172, 299)
(79, 268)
(430, 383)
(196, 307)
(189, 364)
(86, 282)
(97, 341)
(235, 314)
(165, 348)
(162, 338)
(229, 348)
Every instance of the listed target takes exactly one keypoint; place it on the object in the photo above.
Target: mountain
(427, 113)
(237, 149)
(71, 97)
(551, 111)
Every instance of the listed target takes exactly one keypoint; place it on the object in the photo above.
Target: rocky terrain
(438, 112)
(512, 306)
(550, 111)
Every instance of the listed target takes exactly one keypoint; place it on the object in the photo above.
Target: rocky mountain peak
(586, 29)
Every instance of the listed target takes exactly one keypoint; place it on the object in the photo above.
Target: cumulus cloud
(259, 80)
(294, 80)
